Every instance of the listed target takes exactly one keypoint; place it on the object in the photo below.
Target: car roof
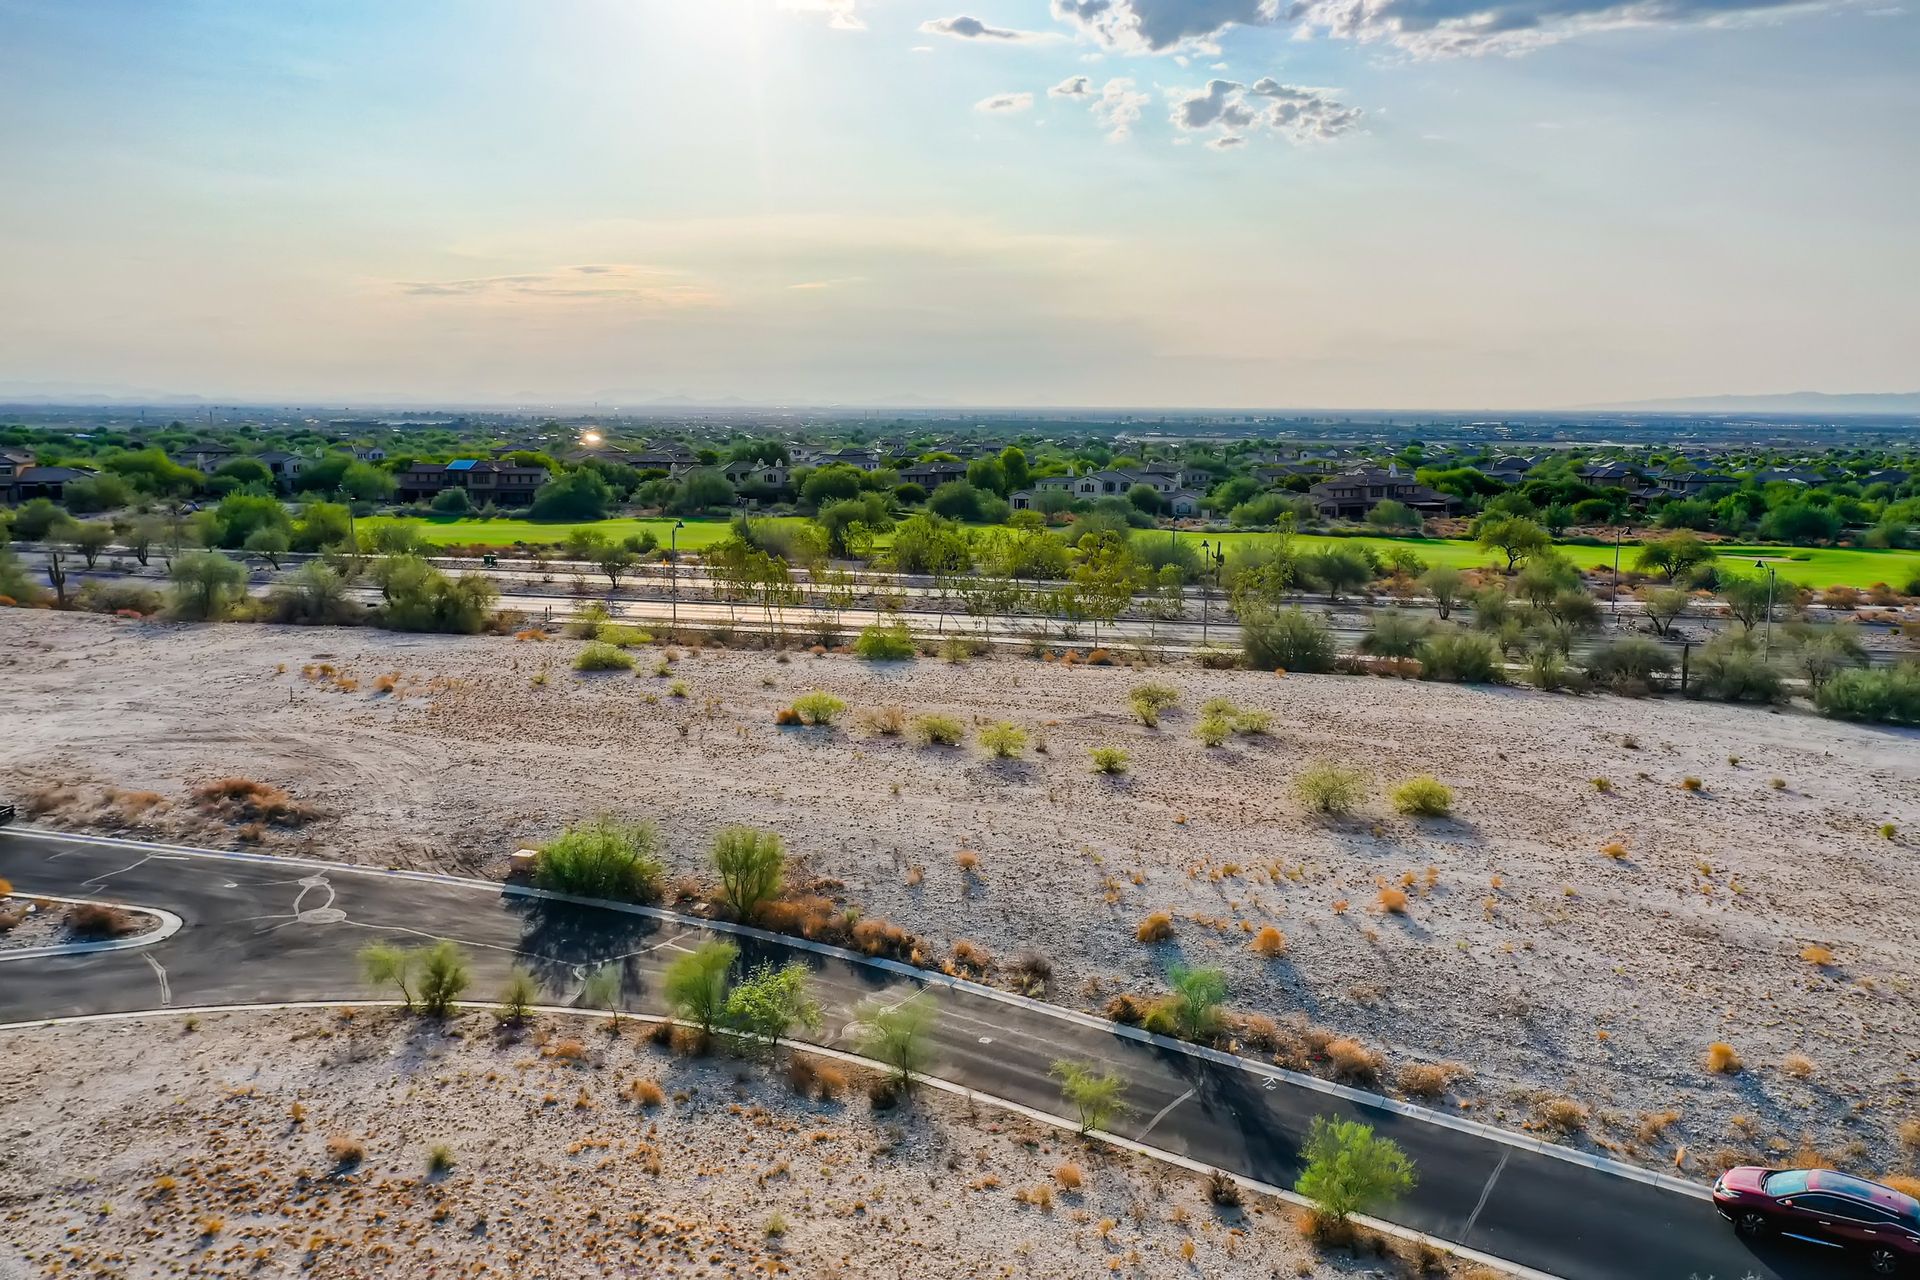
(1872, 1192)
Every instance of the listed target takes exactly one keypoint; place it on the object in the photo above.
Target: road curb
(1514, 1269)
(1359, 1097)
(170, 924)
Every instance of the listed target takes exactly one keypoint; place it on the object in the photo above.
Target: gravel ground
(1545, 966)
(47, 927)
(301, 1143)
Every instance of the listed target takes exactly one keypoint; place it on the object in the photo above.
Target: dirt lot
(304, 1144)
(1525, 952)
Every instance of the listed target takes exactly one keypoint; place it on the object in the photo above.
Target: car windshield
(1790, 1183)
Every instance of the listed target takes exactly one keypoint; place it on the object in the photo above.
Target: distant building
(206, 458)
(1351, 495)
(931, 475)
(504, 484)
(22, 480)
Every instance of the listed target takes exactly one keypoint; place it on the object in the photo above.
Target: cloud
(1118, 106)
(1424, 28)
(841, 15)
(1289, 111)
(621, 282)
(1072, 87)
(1005, 103)
(966, 28)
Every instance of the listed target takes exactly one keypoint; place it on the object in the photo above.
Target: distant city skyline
(1372, 204)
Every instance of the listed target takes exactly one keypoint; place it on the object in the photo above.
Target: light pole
(673, 570)
(1206, 555)
(1766, 644)
(1613, 596)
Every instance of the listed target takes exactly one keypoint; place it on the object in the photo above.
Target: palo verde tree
(750, 863)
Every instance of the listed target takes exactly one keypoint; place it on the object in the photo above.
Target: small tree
(601, 990)
(1195, 1003)
(443, 976)
(517, 997)
(1664, 607)
(750, 863)
(206, 584)
(769, 1001)
(1095, 1094)
(897, 1037)
(91, 538)
(1350, 1171)
(1444, 583)
(270, 542)
(695, 984)
(385, 965)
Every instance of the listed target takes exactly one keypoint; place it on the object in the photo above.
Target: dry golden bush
(1722, 1058)
(1430, 1079)
(1797, 1065)
(1560, 1115)
(1157, 927)
(1269, 943)
(1815, 954)
(1068, 1175)
(1352, 1060)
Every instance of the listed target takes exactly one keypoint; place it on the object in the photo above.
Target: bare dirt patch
(1583, 926)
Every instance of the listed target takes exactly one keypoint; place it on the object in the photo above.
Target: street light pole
(1766, 644)
(1613, 597)
(673, 570)
(1206, 556)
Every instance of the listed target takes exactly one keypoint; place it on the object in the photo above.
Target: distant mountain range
(1789, 402)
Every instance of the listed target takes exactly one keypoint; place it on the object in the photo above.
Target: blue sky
(1360, 203)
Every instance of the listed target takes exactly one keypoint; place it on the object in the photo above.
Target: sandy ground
(27, 923)
(1543, 965)
(301, 1144)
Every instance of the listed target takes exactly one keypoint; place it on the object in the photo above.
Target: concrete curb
(170, 924)
(1003, 1104)
(1359, 1097)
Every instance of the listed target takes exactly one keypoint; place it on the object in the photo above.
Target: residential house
(863, 459)
(1351, 495)
(504, 484)
(206, 458)
(750, 471)
(21, 480)
(372, 453)
(1617, 475)
(284, 466)
(931, 475)
(1509, 468)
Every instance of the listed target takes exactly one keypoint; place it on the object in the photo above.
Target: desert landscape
(354, 1142)
(1622, 885)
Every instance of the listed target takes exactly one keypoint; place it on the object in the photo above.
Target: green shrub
(1349, 1170)
(602, 657)
(1094, 1093)
(1108, 760)
(1330, 789)
(1289, 639)
(1252, 723)
(444, 974)
(768, 1002)
(1730, 669)
(604, 858)
(1195, 1001)
(938, 731)
(1887, 696)
(750, 863)
(885, 642)
(1461, 657)
(517, 997)
(206, 585)
(621, 636)
(1005, 741)
(1213, 730)
(1423, 797)
(1633, 665)
(1149, 700)
(818, 708)
(696, 984)
(1394, 635)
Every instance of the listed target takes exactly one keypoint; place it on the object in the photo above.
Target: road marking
(1484, 1193)
(1161, 1114)
(166, 991)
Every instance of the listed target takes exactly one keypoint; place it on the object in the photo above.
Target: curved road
(260, 929)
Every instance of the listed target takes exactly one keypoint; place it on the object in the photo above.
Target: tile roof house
(1351, 495)
(504, 484)
(21, 483)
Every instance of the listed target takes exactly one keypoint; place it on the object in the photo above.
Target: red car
(1826, 1208)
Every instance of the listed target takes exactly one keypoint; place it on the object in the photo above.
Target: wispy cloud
(1232, 110)
(842, 15)
(963, 27)
(623, 282)
(1004, 103)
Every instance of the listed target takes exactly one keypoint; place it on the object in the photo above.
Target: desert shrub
(769, 1001)
(1069, 1176)
(818, 708)
(1423, 797)
(98, 920)
(1330, 789)
(1391, 900)
(98, 596)
(421, 598)
(312, 595)
(885, 642)
(1194, 1002)
(1723, 1059)
(440, 1155)
(1252, 723)
(1289, 639)
(1631, 665)
(1394, 635)
(1003, 740)
(696, 984)
(1815, 954)
(1031, 971)
(206, 585)
(1156, 927)
(517, 996)
(1430, 1079)
(884, 722)
(1223, 1190)
(345, 1151)
(897, 1037)
(604, 858)
(1887, 696)
(970, 955)
(621, 636)
(1149, 700)
(877, 937)
(1730, 669)
(602, 657)
(1461, 657)
(1094, 1093)
(1108, 759)
(1213, 731)
(938, 731)
(246, 801)
(750, 863)
(1269, 943)
(444, 975)
(1560, 1115)
(1353, 1061)
(1349, 1170)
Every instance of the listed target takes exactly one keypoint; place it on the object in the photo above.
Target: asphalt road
(261, 930)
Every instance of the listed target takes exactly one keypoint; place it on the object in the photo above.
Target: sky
(1442, 204)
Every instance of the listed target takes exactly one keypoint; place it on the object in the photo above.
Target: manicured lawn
(1810, 566)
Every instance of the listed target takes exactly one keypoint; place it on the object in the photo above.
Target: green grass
(1810, 566)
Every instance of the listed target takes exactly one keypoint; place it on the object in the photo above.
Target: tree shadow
(560, 942)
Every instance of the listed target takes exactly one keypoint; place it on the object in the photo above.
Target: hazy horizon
(1395, 205)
